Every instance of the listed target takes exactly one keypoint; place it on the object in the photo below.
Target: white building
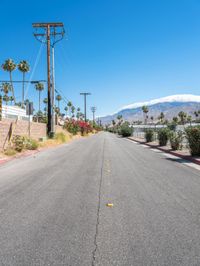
(14, 112)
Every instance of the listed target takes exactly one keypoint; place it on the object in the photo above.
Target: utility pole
(85, 94)
(93, 109)
(48, 34)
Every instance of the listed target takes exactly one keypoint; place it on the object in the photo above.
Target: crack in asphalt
(98, 208)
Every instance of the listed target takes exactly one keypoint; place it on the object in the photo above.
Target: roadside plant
(125, 130)
(30, 144)
(176, 139)
(149, 135)
(163, 136)
(18, 143)
(193, 137)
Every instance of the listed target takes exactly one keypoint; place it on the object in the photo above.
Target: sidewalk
(184, 154)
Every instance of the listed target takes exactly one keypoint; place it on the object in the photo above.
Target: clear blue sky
(122, 51)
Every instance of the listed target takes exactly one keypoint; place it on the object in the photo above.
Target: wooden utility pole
(50, 36)
(85, 94)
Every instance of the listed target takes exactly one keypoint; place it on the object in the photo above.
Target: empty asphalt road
(53, 207)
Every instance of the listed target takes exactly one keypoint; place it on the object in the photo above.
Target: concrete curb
(22, 155)
(185, 157)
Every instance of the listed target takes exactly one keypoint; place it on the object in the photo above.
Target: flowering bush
(75, 126)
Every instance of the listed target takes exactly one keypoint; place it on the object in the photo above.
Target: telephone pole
(49, 33)
(85, 94)
(93, 109)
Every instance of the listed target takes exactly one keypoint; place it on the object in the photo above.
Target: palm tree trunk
(12, 88)
(39, 100)
(23, 89)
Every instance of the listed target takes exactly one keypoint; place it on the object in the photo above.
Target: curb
(23, 155)
(185, 157)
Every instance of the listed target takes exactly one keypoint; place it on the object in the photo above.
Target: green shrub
(125, 130)
(193, 137)
(163, 136)
(60, 137)
(10, 152)
(149, 134)
(18, 142)
(31, 144)
(176, 139)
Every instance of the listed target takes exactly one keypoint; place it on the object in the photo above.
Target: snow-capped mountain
(170, 106)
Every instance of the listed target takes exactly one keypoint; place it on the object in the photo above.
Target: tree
(58, 99)
(6, 88)
(78, 112)
(66, 109)
(189, 119)
(10, 66)
(161, 117)
(73, 110)
(11, 100)
(175, 119)
(145, 110)
(196, 113)
(69, 104)
(24, 67)
(39, 87)
(182, 115)
(152, 118)
(119, 118)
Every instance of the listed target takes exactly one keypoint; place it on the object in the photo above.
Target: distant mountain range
(170, 106)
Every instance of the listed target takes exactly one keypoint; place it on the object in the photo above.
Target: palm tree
(6, 88)
(66, 109)
(69, 104)
(73, 110)
(24, 67)
(119, 118)
(11, 100)
(161, 117)
(152, 118)
(39, 87)
(10, 66)
(6, 99)
(58, 99)
(145, 110)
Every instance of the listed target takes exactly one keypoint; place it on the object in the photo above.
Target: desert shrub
(60, 137)
(31, 144)
(125, 130)
(10, 152)
(163, 136)
(18, 143)
(176, 139)
(193, 137)
(149, 134)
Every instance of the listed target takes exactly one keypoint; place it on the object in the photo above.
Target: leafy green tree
(39, 87)
(23, 67)
(10, 66)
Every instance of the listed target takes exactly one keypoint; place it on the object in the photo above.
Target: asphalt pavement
(53, 206)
